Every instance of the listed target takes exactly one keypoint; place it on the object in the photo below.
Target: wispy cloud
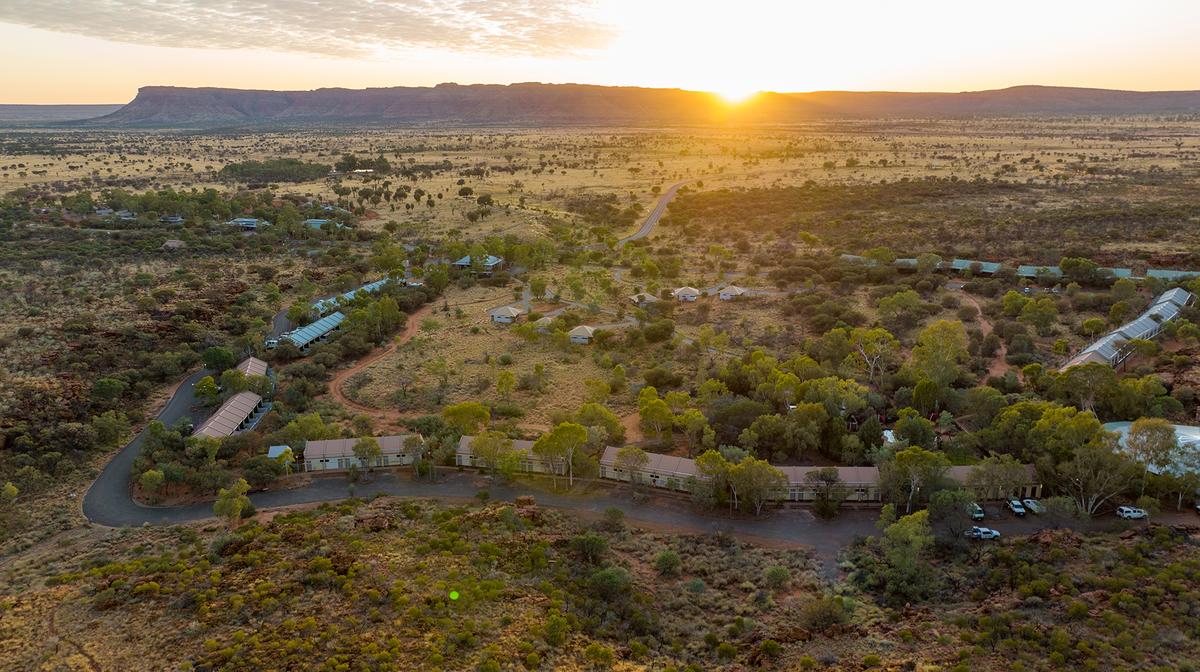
(349, 28)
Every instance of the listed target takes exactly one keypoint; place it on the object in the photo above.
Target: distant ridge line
(566, 104)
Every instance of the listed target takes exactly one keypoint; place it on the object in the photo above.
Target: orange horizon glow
(73, 51)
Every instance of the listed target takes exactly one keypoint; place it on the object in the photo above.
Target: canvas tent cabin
(486, 266)
(643, 299)
(338, 454)
(248, 223)
(240, 412)
(686, 294)
(730, 292)
(582, 335)
(506, 314)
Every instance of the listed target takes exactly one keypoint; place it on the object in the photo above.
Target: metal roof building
(1170, 275)
(1186, 436)
(236, 414)
(1026, 271)
(253, 366)
(988, 267)
(317, 331)
(325, 305)
(1113, 347)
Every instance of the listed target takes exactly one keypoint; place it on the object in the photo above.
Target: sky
(101, 51)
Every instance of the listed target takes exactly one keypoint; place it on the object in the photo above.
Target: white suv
(1131, 512)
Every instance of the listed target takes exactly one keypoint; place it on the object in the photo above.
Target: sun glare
(735, 94)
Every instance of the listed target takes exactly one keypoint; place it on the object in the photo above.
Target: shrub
(589, 547)
(667, 563)
(726, 651)
(871, 660)
(823, 613)
(776, 577)
(599, 655)
(610, 583)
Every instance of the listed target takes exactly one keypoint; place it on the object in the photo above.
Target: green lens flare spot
(454, 594)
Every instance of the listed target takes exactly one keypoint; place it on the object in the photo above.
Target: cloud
(344, 28)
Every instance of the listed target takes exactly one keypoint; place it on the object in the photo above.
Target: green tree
(830, 491)
(997, 477)
(561, 444)
(940, 351)
(111, 428)
(873, 352)
(656, 418)
(467, 417)
(217, 359)
(1152, 443)
(1041, 314)
(632, 460)
(754, 483)
(950, 514)
(206, 389)
(491, 448)
(151, 482)
(368, 452)
(232, 501)
(912, 471)
(505, 382)
(1096, 473)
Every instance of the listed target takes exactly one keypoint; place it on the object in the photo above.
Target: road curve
(655, 214)
(109, 501)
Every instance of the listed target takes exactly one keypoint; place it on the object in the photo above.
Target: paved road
(108, 501)
(655, 214)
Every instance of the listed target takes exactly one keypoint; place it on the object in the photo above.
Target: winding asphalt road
(109, 500)
(655, 214)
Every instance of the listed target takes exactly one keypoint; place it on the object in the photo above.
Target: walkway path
(999, 364)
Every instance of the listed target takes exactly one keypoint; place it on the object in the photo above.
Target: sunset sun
(736, 94)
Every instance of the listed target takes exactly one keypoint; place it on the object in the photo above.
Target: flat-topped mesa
(580, 104)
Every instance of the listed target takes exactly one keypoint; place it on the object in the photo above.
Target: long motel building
(338, 454)
(671, 472)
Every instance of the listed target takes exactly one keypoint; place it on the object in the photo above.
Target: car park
(1033, 506)
(1131, 513)
(1016, 507)
(982, 533)
(976, 511)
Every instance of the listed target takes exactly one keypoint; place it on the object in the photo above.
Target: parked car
(1197, 507)
(976, 511)
(1131, 512)
(982, 533)
(1033, 506)
(1016, 507)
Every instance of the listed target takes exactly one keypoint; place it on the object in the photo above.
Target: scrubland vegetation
(809, 367)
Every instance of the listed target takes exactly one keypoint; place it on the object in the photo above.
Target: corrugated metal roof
(1167, 274)
(392, 444)
(303, 336)
(229, 416)
(1033, 271)
(253, 366)
(336, 301)
(1166, 307)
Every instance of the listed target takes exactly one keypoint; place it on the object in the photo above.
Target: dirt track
(411, 327)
